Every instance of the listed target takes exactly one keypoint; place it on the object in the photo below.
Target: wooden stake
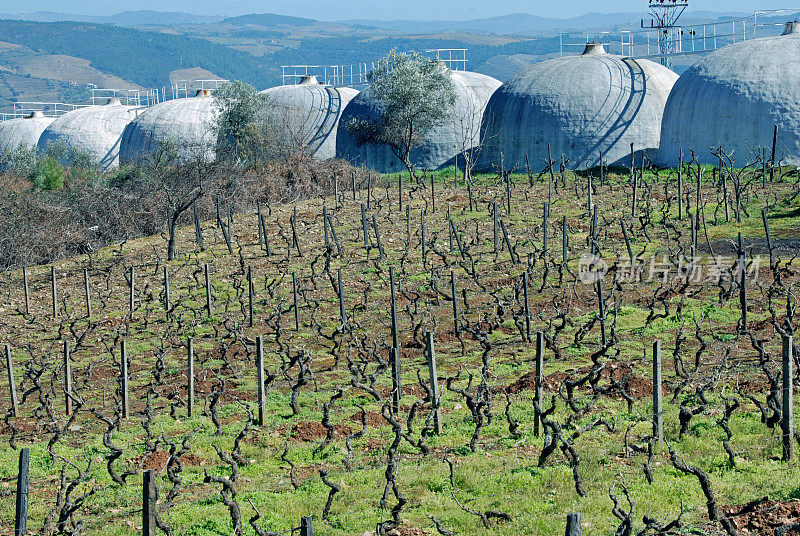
(54, 289)
(325, 228)
(508, 194)
(21, 517)
(296, 308)
(658, 411)
(133, 289)
(12, 384)
(742, 264)
(456, 327)
(364, 231)
(496, 227)
(67, 380)
(393, 310)
(378, 236)
(335, 238)
(508, 242)
(573, 524)
(436, 402)
(342, 312)
(527, 337)
(250, 291)
(769, 237)
(124, 379)
(433, 195)
(262, 398)
(394, 359)
(87, 293)
(148, 504)
(306, 528)
(400, 191)
(167, 304)
(545, 217)
(424, 245)
(633, 165)
(198, 232)
(208, 289)
(408, 227)
(27, 292)
(539, 377)
(627, 243)
(258, 224)
(787, 420)
(772, 159)
(190, 377)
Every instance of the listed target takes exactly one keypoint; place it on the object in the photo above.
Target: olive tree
(242, 124)
(414, 96)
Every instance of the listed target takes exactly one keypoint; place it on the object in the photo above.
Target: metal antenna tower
(665, 15)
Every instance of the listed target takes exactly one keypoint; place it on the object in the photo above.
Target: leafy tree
(414, 96)
(242, 116)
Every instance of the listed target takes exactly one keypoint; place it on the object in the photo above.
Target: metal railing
(187, 88)
(685, 40)
(356, 74)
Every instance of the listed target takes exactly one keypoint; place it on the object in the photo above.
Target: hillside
(69, 69)
(125, 18)
(139, 57)
(51, 61)
(268, 19)
(332, 427)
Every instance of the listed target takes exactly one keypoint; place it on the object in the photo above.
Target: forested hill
(141, 57)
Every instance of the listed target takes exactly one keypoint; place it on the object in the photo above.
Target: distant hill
(269, 19)
(143, 58)
(126, 18)
(525, 23)
(75, 71)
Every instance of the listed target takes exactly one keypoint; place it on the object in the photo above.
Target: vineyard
(484, 357)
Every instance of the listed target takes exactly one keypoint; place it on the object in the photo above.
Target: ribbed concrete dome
(441, 145)
(188, 123)
(308, 114)
(96, 129)
(733, 98)
(580, 105)
(23, 132)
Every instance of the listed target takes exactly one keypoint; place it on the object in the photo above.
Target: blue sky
(381, 9)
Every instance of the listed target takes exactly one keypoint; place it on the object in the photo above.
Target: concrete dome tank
(95, 129)
(188, 124)
(307, 114)
(441, 146)
(581, 106)
(733, 98)
(23, 132)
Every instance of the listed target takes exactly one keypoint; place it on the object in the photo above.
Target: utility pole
(665, 15)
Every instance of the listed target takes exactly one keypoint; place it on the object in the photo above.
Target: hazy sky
(381, 9)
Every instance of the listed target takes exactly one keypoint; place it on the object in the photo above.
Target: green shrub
(48, 175)
(20, 160)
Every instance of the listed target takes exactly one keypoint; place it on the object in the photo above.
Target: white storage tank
(581, 106)
(189, 124)
(95, 129)
(23, 132)
(733, 98)
(307, 114)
